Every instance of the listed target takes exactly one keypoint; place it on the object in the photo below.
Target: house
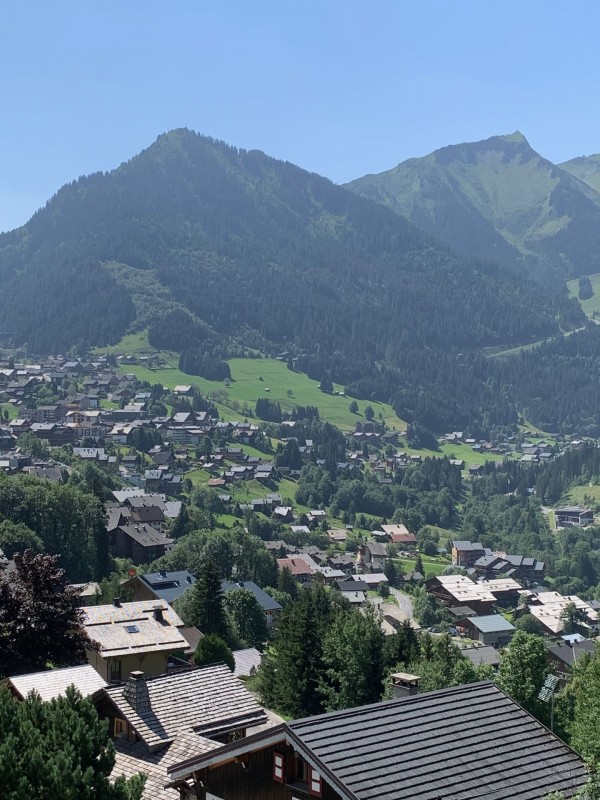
(465, 554)
(486, 655)
(247, 662)
(491, 629)
(548, 608)
(54, 682)
(299, 566)
(270, 607)
(371, 556)
(460, 742)
(480, 596)
(573, 515)
(161, 585)
(562, 656)
(140, 542)
(132, 636)
(155, 722)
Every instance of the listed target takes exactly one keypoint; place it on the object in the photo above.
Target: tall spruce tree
(205, 609)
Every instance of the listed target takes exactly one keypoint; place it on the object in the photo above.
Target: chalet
(573, 516)
(548, 608)
(139, 542)
(131, 636)
(371, 556)
(482, 655)
(430, 745)
(299, 567)
(491, 629)
(459, 590)
(161, 585)
(247, 662)
(562, 656)
(465, 554)
(157, 721)
(513, 566)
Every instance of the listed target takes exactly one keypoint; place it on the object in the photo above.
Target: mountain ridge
(497, 198)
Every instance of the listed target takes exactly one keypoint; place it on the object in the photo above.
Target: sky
(339, 87)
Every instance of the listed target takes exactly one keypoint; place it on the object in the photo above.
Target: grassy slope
(591, 307)
(246, 388)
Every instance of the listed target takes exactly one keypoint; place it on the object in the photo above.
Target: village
(156, 449)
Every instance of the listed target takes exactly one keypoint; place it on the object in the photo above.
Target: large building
(454, 744)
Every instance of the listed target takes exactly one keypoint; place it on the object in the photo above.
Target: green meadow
(591, 306)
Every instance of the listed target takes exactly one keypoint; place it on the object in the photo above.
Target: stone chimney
(158, 614)
(135, 692)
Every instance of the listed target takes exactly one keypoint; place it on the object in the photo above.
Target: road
(404, 602)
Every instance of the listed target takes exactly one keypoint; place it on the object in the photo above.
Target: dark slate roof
(570, 654)
(265, 600)
(169, 586)
(450, 744)
(454, 744)
(482, 655)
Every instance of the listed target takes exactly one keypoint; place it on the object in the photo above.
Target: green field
(132, 344)
(591, 307)
(576, 495)
(267, 377)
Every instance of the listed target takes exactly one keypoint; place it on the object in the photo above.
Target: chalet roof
(133, 628)
(130, 759)
(168, 586)
(54, 682)
(208, 700)
(265, 600)
(569, 654)
(482, 655)
(245, 661)
(454, 743)
(491, 623)
(145, 535)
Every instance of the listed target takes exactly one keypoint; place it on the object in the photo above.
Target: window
(115, 671)
(278, 771)
(120, 728)
(132, 629)
(315, 784)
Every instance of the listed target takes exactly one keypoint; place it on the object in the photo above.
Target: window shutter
(315, 783)
(278, 770)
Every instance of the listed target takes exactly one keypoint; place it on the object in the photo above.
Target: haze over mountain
(498, 199)
(216, 250)
(586, 168)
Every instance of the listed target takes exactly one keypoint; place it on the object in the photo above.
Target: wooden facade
(251, 777)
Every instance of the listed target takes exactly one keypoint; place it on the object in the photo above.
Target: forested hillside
(499, 199)
(219, 249)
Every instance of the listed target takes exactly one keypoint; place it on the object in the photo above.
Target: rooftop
(54, 682)
(456, 744)
(491, 623)
(209, 701)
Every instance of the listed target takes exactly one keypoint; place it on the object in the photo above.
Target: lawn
(434, 567)
(13, 411)
(591, 307)
(132, 344)
(267, 377)
(576, 495)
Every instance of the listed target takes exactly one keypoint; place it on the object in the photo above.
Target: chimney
(117, 602)
(158, 614)
(188, 578)
(162, 573)
(135, 692)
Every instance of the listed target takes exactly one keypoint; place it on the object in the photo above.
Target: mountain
(498, 199)
(217, 250)
(586, 169)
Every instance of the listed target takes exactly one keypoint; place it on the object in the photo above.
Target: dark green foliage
(585, 288)
(268, 410)
(194, 361)
(287, 584)
(289, 455)
(212, 649)
(40, 620)
(16, 538)
(523, 670)
(427, 609)
(144, 438)
(402, 647)
(239, 247)
(68, 521)
(203, 605)
(246, 617)
(418, 436)
(58, 751)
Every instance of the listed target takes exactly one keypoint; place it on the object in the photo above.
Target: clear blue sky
(340, 87)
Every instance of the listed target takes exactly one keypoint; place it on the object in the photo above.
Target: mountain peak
(516, 137)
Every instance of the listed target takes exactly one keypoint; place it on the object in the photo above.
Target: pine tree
(205, 608)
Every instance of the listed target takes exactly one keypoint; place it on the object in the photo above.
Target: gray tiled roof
(130, 759)
(246, 661)
(491, 623)
(482, 655)
(207, 700)
(54, 682)
(447, 744)
(454, 744)
(265, 600)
